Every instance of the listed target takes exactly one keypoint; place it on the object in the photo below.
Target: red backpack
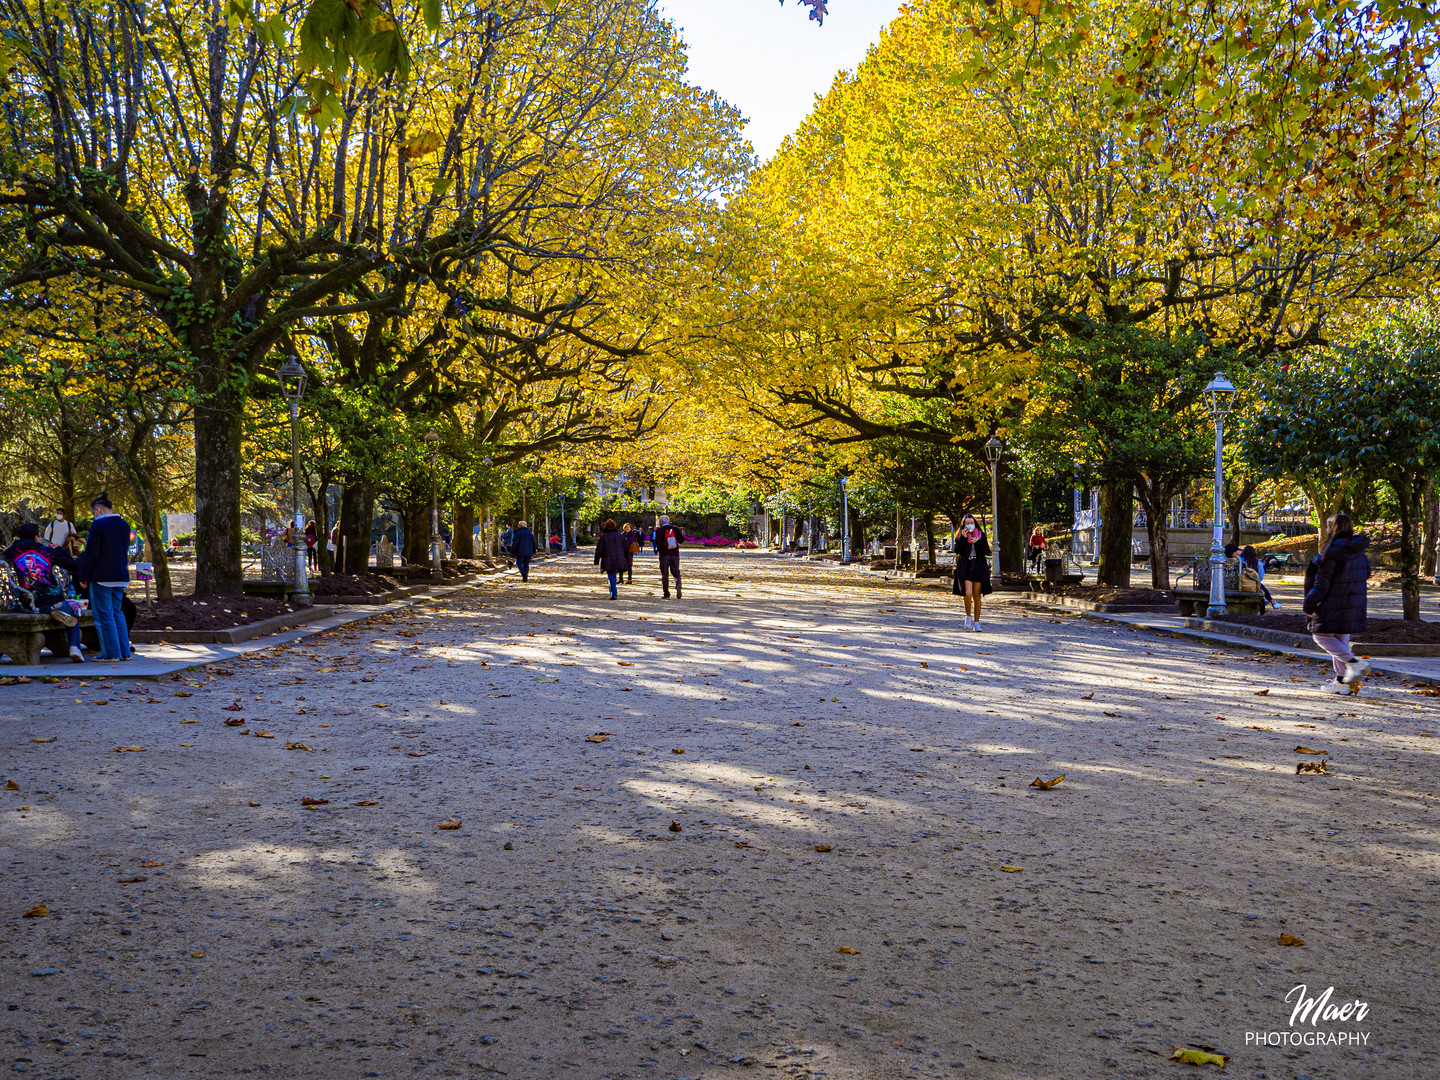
(668, 538)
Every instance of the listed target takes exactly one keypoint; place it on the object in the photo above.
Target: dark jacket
(522, 544)
(1335, 590)
(972, 562)
(662, 545)
(634, 536)
(611, 554)
(106, 547)
(47, 591)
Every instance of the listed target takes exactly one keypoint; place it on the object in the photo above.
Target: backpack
(36, 572)
(669, 538)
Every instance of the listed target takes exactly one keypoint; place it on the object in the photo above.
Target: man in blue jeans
(522, 546)
(104, 565)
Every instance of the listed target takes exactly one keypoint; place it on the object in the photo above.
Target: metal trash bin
(1054, 571)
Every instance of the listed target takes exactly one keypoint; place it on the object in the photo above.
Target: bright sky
(770, 60)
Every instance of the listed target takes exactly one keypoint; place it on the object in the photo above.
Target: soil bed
(353, 585)
(1110, 594)
(207, 612)
(1377, 632)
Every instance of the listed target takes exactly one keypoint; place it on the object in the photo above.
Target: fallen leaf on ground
(254, 804)
(674, 826)
(1261, 693)
(741, 843)
(39, 911)
(234, 721)
(149, 863)
(382, 705)
(1291, 939)
(599, 736)
(418, 753)
(266, 734)
(1197, 1057)
(822, 847)
(295, 745)
(677, 751)
(1312, 767)
(1087, 697)
(453, 823)
(183, 693)
(1307, 750)
(308, 801)
(128, 750)
(133, 880)
(1012, 869)
(52, 738)
(1046, 785)
(11, 785)
(846, 950)
(367, 802)
(197, 954)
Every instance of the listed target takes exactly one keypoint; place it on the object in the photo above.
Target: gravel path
(789, 852)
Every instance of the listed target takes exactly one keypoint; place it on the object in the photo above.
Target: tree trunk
(1117, 514)
(1010, 552)
(1158, 530)
(1409, 494)
(320, 514)
(464, 541)
(357, 513)
(217, 490)
(417, 531)
(1432, 528)
(1236, 502)
(930, 536)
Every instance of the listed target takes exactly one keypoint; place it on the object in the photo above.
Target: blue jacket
(522, 544)
(106, 547)
(1335, 591)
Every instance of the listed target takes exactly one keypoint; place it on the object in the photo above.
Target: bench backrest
(13, 597)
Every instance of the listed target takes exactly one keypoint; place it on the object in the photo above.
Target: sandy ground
(789, 854)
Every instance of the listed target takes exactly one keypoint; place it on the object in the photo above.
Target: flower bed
(720, 542)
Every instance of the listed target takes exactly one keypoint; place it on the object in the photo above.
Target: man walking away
(522, 546)
(667, 542)
(611, 554)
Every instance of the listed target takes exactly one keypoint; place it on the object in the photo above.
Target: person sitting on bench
(35, 564)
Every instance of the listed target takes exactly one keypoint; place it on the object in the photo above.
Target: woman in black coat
(1336, 599)
(612, 554)
(972, 569)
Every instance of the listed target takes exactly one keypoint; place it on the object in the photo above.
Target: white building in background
(172, 525)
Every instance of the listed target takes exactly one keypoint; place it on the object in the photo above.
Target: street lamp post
(844, 520)
(433, 438)
(1220, 393)
(993, 449)
(292, 387)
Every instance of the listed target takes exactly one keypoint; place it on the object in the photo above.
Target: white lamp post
(292, 388)
(993, 449)
(433, 439)
(1220, 393)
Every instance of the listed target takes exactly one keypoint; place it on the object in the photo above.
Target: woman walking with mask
(1336, 599)
(972, 569)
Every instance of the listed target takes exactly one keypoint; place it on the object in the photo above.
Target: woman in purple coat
(612, 554)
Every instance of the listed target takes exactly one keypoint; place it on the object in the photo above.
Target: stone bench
(1195, 602)
(23, 634)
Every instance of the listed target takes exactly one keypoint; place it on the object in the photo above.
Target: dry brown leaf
(234, 721)
(846, 950)
(178, 693)
(822, 847)
(266, 734)
(308, 801)
(741, 843)
(1307, 750)
(254, 804)
(1012, 869)
(128, 750)
(599, 736)
(1312, 767)
(197, 954)
(39, 911)
(367, 802)
(150, 863)
(677, 751)
(52, 738)
(1291, 939)
(1261, 693)
(924, 664)
(1087, 697)
(453, 823)
(674, 826)
(624, 663)
(382, 705)
(11, 785)
(1046, 785)
(295, 745)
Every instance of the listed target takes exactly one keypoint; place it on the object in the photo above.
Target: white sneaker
(969, 623)
(76, 657)
(1276, 605)
(1335, 686)
(976, 627)
(1354, 669)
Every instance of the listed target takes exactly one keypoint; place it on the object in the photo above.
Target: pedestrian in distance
(522, 546)
(104, 567)
(668, 539)
(633, 540)
(1336, 599)
(972, 569)
(1250, 560)
(611, 554)
(312, 545)
(1036, 544)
